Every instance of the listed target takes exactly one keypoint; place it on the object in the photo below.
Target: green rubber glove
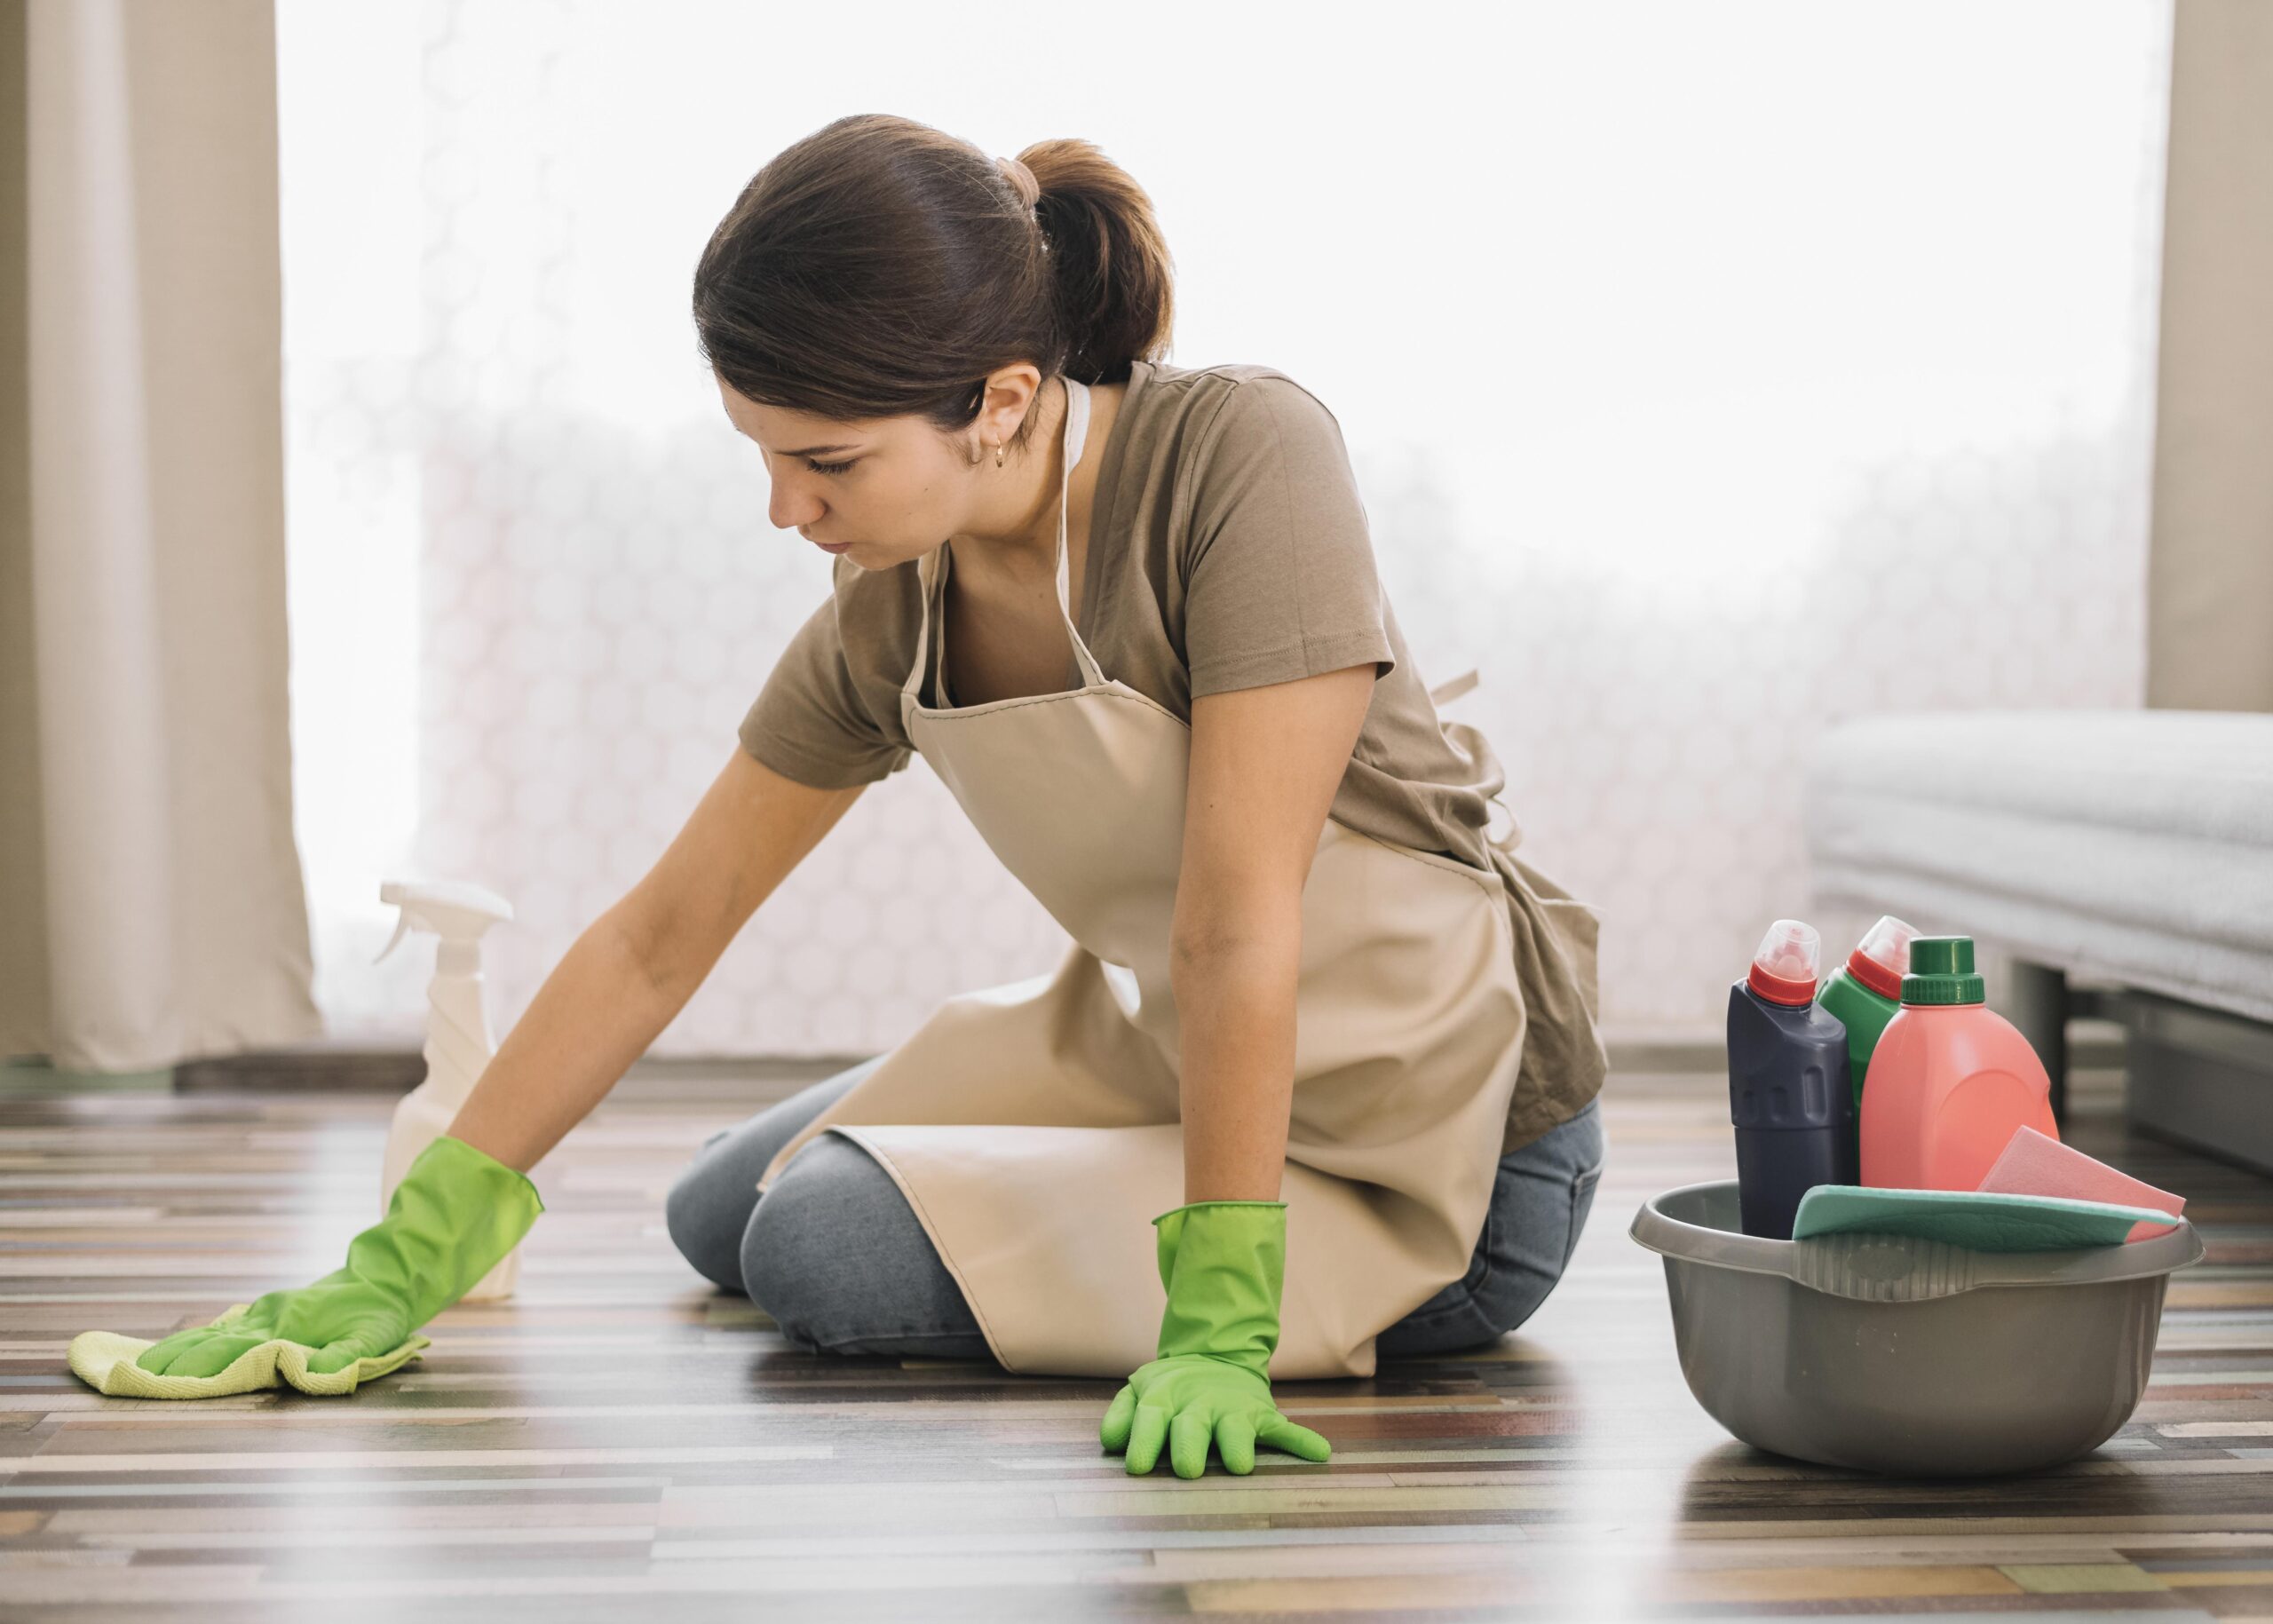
(455, 1213)
(1223, 1264)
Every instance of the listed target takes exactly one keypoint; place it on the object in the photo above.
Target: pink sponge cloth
(2035, 1164)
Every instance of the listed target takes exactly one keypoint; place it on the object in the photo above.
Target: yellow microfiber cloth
(105, 1362)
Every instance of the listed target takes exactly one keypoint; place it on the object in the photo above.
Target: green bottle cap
(1941, 971)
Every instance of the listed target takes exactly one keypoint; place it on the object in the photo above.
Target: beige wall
(2210, 569)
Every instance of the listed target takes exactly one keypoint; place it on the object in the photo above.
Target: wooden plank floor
(620, 1435)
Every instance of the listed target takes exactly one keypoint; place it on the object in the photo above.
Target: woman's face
(883, 490)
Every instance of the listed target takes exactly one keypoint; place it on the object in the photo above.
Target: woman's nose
(789, 511)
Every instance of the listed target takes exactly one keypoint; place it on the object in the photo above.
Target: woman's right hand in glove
(456, 1214)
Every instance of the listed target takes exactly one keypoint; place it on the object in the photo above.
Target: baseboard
(2097, 1051)
(330, 1069)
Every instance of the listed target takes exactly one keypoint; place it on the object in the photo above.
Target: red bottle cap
(1783, 971)
(1883, 958)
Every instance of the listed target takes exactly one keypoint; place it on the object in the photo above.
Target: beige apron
(1034, 1126)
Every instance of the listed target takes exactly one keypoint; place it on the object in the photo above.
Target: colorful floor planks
(621, 1435)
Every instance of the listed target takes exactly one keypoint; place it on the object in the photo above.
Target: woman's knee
(836, 1257)
(710, 1204)
(705, 1219)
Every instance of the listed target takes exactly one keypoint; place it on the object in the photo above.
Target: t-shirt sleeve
(1280, 580)
(809, 722)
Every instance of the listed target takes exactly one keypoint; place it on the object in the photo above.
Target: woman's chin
(879, 555)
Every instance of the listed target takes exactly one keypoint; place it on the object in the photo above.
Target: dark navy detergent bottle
(1788, 1091)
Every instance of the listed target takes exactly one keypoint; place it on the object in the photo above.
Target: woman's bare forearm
(634, 967)
(1235, 1012)
(597, 1013)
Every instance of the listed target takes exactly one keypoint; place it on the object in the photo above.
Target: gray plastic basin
(1908, 1357)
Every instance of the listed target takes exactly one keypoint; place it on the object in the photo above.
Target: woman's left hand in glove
(1223, 1264)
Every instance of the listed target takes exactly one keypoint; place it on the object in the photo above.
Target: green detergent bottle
(1867, 994)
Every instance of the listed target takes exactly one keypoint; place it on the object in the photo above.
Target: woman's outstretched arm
(634, 967)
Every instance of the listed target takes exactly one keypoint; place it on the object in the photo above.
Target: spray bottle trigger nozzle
(401, 930)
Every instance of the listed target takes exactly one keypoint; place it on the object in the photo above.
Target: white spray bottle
(458, 1041)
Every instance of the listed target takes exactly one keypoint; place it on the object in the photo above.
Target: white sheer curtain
(1711, 374)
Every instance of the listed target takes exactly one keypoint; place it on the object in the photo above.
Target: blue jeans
(836, 1257)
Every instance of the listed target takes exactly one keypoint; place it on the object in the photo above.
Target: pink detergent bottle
(1950, 1081)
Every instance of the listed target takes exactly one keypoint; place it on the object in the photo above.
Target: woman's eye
(827, 467)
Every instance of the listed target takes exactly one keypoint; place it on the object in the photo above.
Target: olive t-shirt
(1228, 548)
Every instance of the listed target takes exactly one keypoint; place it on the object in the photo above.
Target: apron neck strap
(929, 565)
(1077, 433)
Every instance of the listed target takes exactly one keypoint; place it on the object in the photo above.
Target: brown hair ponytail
(880, 267)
